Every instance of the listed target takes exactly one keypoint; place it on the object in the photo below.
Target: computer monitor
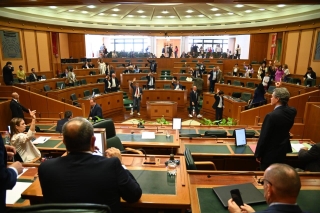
(101, 142)
(240, 137)
(176, 123)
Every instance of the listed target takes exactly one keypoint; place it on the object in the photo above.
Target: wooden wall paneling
(312, 122)
(291, 50)
(55, 107)
(76, 45)
(315, 64)
(43, 50)
(5, 91)
(303, 55)
(5, 114)
(24, 97)
(297, 130)
(258, 46)
(32, 59)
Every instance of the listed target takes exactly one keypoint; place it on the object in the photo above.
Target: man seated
(33, 76)
(81, 177)
(310, 158)
(95, 110)
(176, 86)
(67, 116)
(281, 184)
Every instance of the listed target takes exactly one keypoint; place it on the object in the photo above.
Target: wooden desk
(110, 103)
(126, 78)
(201, 183)
(204, 77)
(166, 109)
(242, 80)
(85, 72)
(179, 96)
(179, 200)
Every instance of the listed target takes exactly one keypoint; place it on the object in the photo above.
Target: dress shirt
(113, 82)
(151, 81)
(220, 102)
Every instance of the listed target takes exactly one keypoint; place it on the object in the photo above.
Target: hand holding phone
(236, 197)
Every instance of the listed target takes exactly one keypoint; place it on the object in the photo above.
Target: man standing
(8, 176)
(153, 65)
(274, 140)
(95, 110)
(281, 184)
(81, 177)
(115, 84)
(212, 77)
(218, 104)
(151, 81)
(194, 96)
(170, 51)
(33, 76)
(7, 73)
(136, 96)
(16, 108)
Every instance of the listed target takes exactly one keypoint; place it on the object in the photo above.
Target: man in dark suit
(16, 108)
(115, 84)
(95, 110)
(218, 104)
(151, 81)
(310, 158)
(176, 86)
(8, 176)
(281, 184)
(60, 123)
(81, 177)
(274, 140)
(153, 65)
(194, 97)
(136, 96)
(212, 77)
(7, 73)
(33, 76)
(197, 73)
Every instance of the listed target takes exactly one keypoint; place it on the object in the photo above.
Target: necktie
(137, 92)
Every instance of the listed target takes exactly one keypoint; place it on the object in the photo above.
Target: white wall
(244, 42)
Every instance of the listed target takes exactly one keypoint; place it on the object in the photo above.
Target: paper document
(24, 170)
(14, 194)
(40, 140)
(148, 135)
(297, 146)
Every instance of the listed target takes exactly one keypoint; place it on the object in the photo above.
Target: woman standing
(238, 52)
(176, 52)
(236, 70)
(249, 70)
(71, 77)
(286, 73)
(21, 75)
(102, 66)
(262, 70)
(21, 141)
(258, 97)
(279, 74)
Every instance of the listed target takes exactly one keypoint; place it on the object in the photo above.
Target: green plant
(222, 122)
(162, 120)
(141, 121)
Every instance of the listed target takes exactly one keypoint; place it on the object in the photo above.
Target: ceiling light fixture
(218, 14)
(84, 11)
(248, 11)
(143, 16)
(188, 16)
(115, 9)
(114, 14)
(91, 6)
(262, 9)
(239, 5)
(172, 16)
(214, 9)
(165, 12)
(140, 11)
(189, 11)
(159, 16)
(101, 14)
(71, 10)
(53, 7)
(201, 16)
(230, 13)
(281, 5)
(130, 16)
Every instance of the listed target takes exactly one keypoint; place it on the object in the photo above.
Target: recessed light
(165, 12)
(53, 7)
(171, 16)
(159, 16)
(143, 16)
(71, 10)
(101, 14)
(281, 5)
(200, 15)
(130, 16)
(248, 11)
(84, 11)
(189, 11)
(230, 13)
(239, 5)
(262, 9)
(140, 11)
(188, 16)
(91, 6)
(218, 14)
(115, 9)
(114, 14)
(214, 9)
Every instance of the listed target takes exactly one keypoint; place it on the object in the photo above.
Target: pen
(44, 139)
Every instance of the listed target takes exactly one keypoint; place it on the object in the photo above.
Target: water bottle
(193, 111)
(172, 166)
(7, 138)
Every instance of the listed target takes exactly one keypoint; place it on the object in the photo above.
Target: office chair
(60, 85)
(74, 100)
(62, 208)
(270, 89)
(215, 134)
(183, 78)
(116, 143)
(96, 91)
(108, 125)
(166, 86)
(245, 96)
(250, 85)
(143, 78)
(192, 165)
(236, 94)
(86, 93)
(92, 73)
(236, 83)
(100, 80)
(83, 81)
(46, 88)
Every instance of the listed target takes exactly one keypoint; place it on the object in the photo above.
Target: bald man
(281, 184)
(81, 177)
(16, 108)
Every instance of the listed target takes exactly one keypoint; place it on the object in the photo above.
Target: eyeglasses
(262, 180)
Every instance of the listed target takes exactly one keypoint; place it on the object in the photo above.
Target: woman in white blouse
(102, 66)
(22, 141)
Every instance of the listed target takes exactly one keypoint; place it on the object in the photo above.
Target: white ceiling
(165, 16)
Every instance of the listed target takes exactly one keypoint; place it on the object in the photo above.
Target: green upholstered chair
(183, 78)
(270, 89)
(74, 100)
(60, 85)
(236, 83)
(215, 134)
(236, 94)
(108, 125)
(116, 143)
(167, 77)
(310, 82)
(83, 81)
(183, 70)
(250, 85)
(166, 86)
(95, 91)
(62, 208)
(143, 78)
(192, 165)
(92, 72)
(145, 71)
(46, 88)
(100, 80)
(86, 93)
(165, 72)
(245, 96)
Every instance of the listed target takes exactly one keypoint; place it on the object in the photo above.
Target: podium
(158, 109)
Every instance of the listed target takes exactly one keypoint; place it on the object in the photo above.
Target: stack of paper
(40, 140)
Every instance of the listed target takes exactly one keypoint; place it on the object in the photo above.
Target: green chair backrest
(189, 160)
(145, 71)
(100, 80)
(166, 86)
(95, 91)
(270, 89)
(183, 78)
(245, 96)
(86, 93)
(236, 94)
(60, 85)
(46, 88)
(83, 81)
(310, 82)
(115, 142)
(143, 78)
(250, 85)
(236, 83)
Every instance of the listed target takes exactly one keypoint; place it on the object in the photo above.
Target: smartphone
(236, 197)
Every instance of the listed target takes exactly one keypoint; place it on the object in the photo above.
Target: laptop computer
(249, 193)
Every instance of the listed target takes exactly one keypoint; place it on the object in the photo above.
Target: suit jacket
(149, 78)
(8, 177)
(211, 76)
(134, 91)
(216, 103)
(96, 111)
(107, 84)
(17, 109)
(194, 98)
(153, 65)
(32, 78)
(116, 81)
(175, 85)
(311, 158)
(86, 178)
(194, 74)
(60, 123)
(7, 75)
(274, 140)
(278, 208)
